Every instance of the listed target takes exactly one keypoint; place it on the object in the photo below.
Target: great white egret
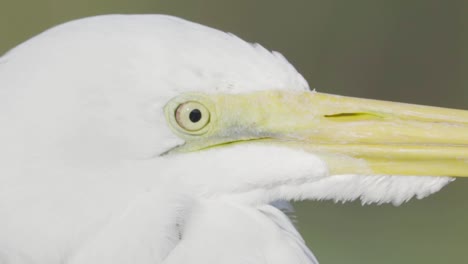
(150, 139)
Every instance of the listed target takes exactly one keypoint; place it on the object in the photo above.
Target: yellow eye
(192, 116)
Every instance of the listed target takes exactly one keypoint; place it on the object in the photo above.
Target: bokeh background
(411, 51)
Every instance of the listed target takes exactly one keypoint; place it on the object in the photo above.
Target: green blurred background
(411, 51)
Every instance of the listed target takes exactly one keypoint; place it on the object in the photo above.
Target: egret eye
(192, 116)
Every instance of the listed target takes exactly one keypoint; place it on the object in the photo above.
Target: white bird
(151, 139)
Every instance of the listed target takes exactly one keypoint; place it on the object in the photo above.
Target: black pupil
(195, 115)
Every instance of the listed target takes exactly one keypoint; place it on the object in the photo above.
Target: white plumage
(82, 128)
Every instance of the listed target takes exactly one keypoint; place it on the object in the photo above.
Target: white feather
(82, 128)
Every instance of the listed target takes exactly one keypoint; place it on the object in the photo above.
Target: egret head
(138, 93)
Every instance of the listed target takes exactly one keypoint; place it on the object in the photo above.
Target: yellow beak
(354, 136)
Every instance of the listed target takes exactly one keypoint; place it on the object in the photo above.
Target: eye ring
(192, 116)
